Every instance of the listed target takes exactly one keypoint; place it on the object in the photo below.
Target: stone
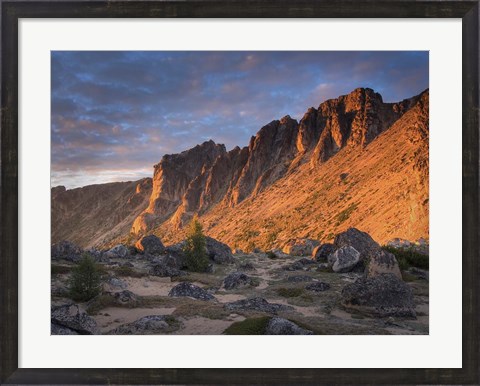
(190, 290)
(236, 280)
(280, 326)
(359, 240)
(381, 262)
(380, 296)
(300, 278)
(163, 270)
(247, 267)
(321, 252)
(66, 250)
(70, 316)
(299, 265)
(345, 259)
(56, 329)
(218, 252)
(150, 244)
(126, 298)
(118, 251)
(257, 304)
(300, 247)
(176, 257)
(279, 254)
(152, 324)
(116, 282)
(317, 286)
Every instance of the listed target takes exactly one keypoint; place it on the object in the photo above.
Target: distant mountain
(353, 161)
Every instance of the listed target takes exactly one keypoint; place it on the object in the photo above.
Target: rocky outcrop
(344, 259)
(321, 252)
(190, 290)
(300, 247)
(66, 250)
(219, 252)
(118, 251)
(380, 296)
(70, 317)
(280, 326)
(150, 244)
(164, 270)
(359, 240)
(382, 262)
(257, 304)
(236, 280)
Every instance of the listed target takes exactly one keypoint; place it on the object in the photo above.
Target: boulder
(176, 257)
(163, 270)
(66, 250)
(381, 262)
(70, 316)
(153, 324)
(236, 280)
(125, 298)
(150, 244)
(321, 252)
(300, 247)
(257, 304)
(280, 326)
(116, 282)
(278, 254)
(317, 286)
(218, 252)
(380, 296)
(359, 240)
(345, 259)
(299, 278)
(299, 264)
(56, 329)
(118, 251)
(190, 290)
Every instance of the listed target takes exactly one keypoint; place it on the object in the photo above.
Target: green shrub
(290, 292)
(408, 257)
(86, 279)
(195, 247)
(251, 326)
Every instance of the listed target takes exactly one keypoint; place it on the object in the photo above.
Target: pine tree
(85, 282)
(195, 247)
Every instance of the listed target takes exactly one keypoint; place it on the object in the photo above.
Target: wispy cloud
(114, 114)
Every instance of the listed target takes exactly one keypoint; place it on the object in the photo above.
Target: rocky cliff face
(197, 179)
(97, 213)
(354, 161)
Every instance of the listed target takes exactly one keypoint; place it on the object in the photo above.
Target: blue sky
(115, 114)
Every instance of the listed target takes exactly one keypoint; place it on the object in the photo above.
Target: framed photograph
(227, 192)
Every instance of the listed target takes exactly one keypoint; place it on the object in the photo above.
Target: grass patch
(60, 269)
(251, 326)
(128, 272)
(345, 214)
(289, 292)
(407, 257)
(99, 303)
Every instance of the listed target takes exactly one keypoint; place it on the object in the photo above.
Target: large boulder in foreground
(70, 317)
(382, 262)
(256, 304)
(380, 296)
(190, 290)
(345, 259)
(280, 326)
(300, 247)
(66, 250)
(150, 244)
(219, 252)
(359, 240)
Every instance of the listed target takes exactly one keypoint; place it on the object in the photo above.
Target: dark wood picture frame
(12, 11)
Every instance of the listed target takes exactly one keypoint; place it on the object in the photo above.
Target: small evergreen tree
(195, 247)
(85, 282)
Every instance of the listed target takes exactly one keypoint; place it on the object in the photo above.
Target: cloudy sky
(114, 114)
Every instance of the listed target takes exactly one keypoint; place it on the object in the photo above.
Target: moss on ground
(251, 326)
